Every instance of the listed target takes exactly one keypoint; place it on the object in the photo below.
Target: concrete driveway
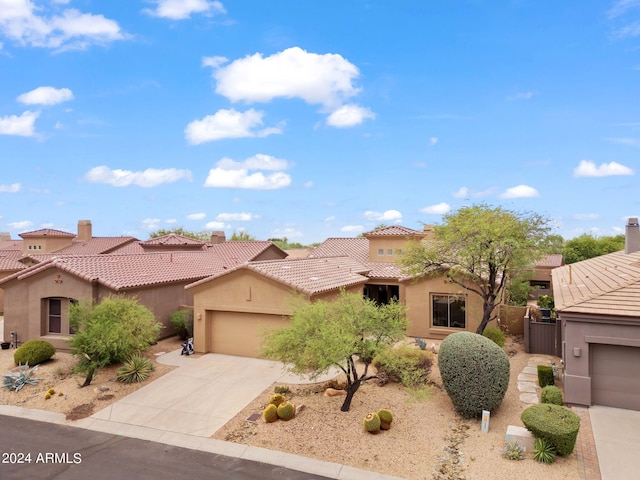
(617, 436)
(198, 397)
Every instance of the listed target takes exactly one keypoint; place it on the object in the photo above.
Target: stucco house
(37, 297)
(233, 308)
(598, 303)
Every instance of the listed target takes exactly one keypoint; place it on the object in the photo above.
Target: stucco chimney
(218, 237)
(632, 236)
(5, 237)
(84, 230)
(429, 232)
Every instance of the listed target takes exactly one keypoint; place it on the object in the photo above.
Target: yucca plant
(543, 451)
(136, 369)
(17, 380)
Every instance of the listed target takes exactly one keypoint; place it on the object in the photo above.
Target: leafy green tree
(203, 235)
(110, 332)
(325, 334)
(285, 244)
(241, 237)
(479, 248)
(587, 246)
(555, 243)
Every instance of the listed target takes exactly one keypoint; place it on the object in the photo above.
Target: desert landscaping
(426, 440)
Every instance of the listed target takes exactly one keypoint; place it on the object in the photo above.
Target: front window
(449, 311)
(382, 294)
(55, 315)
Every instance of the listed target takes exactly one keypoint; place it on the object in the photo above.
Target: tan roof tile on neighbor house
(551, 261)
(171, 240)
(10, 260)
(46, 232)
(394, 231)
(604, 285)
(96, 245)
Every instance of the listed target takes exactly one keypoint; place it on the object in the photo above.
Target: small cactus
(60, 394)
(276, 399)
(386, 417)
(372, 423)
(270, 413)
(47, 396)
(286, 411)
(51, 391)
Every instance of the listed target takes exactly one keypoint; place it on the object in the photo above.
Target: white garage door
(239, 333)
(615, 376)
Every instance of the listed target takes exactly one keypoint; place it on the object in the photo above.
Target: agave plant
(16, 380)
(543, 451)
(136, 369)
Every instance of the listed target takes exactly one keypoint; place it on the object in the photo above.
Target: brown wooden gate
(542, 337)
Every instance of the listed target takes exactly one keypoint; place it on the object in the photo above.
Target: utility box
(520, 435)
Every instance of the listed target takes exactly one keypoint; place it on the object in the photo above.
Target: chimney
(84, 230)
(218, 237)
(632, 236)
(5, 237)
(429, 232)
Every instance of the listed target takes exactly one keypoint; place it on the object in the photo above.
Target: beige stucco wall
(4, 274)
(47, 244)
(579, 333)
(395, 244)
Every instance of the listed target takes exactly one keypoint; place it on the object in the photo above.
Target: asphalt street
(32, 450)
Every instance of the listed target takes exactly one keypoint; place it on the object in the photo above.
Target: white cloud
(231, 174)
(387, 216)
(352, 229)
(288, 233)
(235, 217)
(20, 225)
(215, 226)
(621, 7)
(631, 142)
(521, 96)
(349, 116)
(586, 216)
(214, 62)
(587, 168)
(10, 188)
(151, 223)
(23, 125)
(227, 124)
(150, 177)
(182, 9)
(170, 221)
(330, 219)
(308, 184)
(464, 192)
(293, 73)
(520, 191)
(433, 141)
(66, 29)
(196, 216)
(46, 96)
(436, 209)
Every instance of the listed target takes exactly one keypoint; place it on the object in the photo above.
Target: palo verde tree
(480, 248)
(338, 333)
(110, 332)
(203, 235)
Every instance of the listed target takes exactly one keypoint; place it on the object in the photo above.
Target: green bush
(496, 335)
(474, 371)
(33, 352)
(405, 365)
(134, 370)
(545, 375)
(182, 323)
(551, 394)
(556, 424)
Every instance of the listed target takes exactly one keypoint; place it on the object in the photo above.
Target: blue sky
(310, 120)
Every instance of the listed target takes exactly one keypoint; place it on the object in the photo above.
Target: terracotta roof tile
(604, 285)
(172, 240)
(11, 245)
(394, 231)
(308, 275)
(47, 232)
(96, 245)
(10, 260)
(551, 261)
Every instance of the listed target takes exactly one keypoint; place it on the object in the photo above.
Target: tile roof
(96, 245)
(172, 240)
(10, 260)
(604, 285)
(358, 249)
(394, 231)
(551, 261)
(307, 275)
(47, 232)
(11, 245)
(121, 272)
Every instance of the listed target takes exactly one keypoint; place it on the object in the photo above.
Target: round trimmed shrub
(496, 335)
(551, 394)
(33, 352)
(474, 371)
(557, 425)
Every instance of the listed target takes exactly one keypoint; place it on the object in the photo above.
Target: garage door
(615, 376)
(239, 333)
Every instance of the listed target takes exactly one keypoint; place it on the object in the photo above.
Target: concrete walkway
(617, 437)
(187, 405)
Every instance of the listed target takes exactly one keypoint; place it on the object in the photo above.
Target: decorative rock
(332, 392)
(530, 398)
(520, 435)
(527, 387)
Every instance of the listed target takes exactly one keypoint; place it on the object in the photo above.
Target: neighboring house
(233, 308)
(37, 297)
(598, 303)
(541, 280)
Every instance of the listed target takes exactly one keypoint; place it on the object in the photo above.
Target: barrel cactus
(276, 399)
(286, 411)
(270, 413)
(372, 423)
(474, 371)
(386, 417)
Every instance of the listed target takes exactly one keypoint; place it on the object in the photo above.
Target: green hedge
(406, 365)
(33, 352)
(545, 375)
(496, 335)
(551, 394)
(556, 424)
